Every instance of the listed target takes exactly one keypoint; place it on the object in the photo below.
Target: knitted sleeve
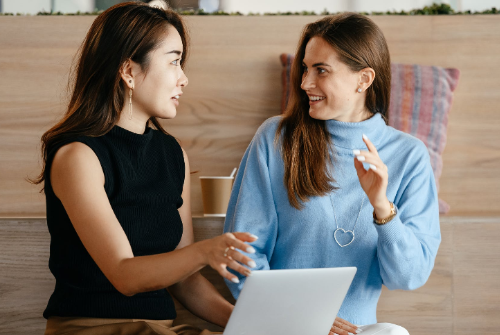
(252, 206)
(408, 244)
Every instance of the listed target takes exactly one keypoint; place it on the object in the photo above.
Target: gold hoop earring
(130, 104)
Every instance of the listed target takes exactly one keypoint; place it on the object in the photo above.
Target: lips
(315, 99)
(175, 99)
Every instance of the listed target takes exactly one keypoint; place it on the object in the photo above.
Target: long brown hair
(305, 141)
(127, 31)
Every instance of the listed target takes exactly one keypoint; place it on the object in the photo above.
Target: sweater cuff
(392, 231)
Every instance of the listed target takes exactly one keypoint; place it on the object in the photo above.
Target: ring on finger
(227, 249)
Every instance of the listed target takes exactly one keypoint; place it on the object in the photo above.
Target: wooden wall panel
(35, 57)
(235, 84)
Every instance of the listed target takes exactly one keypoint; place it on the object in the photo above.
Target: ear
(366, 78)
(127, 73)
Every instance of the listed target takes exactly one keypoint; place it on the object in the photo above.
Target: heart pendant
(343, 232)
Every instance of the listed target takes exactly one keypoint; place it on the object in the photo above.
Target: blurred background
(246, 6)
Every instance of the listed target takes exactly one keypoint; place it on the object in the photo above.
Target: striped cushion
(420, 102)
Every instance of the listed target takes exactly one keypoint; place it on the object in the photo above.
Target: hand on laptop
(220, 252)
(343, 327)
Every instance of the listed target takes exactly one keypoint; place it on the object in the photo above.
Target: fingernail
(356, 152)
(235, 280)
(251, 264)
(360, 158)
(358, 330)
(365, 137)
(248, 273)
(350, 334)
(251, 250)
(254, 236)
(373, 167)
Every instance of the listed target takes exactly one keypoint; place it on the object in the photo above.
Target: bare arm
(78, 181)
(196, 293)
(202, 299)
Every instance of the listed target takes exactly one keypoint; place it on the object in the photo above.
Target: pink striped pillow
(420, 102)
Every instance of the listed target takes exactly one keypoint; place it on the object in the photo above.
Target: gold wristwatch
(387, 219)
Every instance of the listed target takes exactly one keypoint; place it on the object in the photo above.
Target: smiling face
(157, 91)
(332, 87)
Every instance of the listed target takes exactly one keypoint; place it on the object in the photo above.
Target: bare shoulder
(187, 168)
(75, 163)
(184, 154)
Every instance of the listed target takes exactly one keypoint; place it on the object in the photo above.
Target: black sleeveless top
(144, 178)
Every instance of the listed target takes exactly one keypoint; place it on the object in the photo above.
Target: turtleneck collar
(130, 137)
(349, 135)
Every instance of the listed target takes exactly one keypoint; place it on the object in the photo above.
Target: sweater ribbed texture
(144, 178)
(399, 254)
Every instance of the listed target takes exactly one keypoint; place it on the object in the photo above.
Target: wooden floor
(461, 297)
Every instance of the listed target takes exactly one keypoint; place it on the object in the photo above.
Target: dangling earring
(359, 90)
(130, 103)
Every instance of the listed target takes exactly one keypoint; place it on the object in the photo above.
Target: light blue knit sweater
(399, 254)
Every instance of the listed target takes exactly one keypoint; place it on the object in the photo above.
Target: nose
(183, 80)
(307, 81)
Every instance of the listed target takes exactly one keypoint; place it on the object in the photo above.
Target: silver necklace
(342, 229)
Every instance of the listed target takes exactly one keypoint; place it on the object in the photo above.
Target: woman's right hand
(343, 327)
(222, 252)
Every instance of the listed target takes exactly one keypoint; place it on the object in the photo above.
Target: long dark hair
(127, 31)
(306, 142)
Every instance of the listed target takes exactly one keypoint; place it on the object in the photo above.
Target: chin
(319, 114)
(169, 114)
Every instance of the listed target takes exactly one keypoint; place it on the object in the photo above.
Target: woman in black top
(117, 188)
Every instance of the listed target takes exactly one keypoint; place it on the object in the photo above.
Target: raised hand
(374, 180)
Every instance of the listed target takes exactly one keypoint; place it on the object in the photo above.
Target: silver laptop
(292, 302)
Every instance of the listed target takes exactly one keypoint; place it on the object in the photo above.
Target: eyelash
(320, 69)
(176, 64)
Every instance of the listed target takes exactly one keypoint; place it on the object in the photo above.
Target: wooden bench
(460, 297)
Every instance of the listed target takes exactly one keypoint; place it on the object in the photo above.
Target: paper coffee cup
(215, 193)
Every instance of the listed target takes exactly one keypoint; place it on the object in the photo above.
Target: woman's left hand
(343, 327)
(374, 180)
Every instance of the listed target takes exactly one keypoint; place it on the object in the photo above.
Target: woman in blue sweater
(330, 184)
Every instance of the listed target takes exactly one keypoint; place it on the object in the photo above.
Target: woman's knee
(384, 329)
(397, 330)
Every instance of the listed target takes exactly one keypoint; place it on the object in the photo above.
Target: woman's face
(331, 85)
(156, 92)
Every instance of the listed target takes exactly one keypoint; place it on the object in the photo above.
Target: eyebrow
(175, 52)
(317, 64)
